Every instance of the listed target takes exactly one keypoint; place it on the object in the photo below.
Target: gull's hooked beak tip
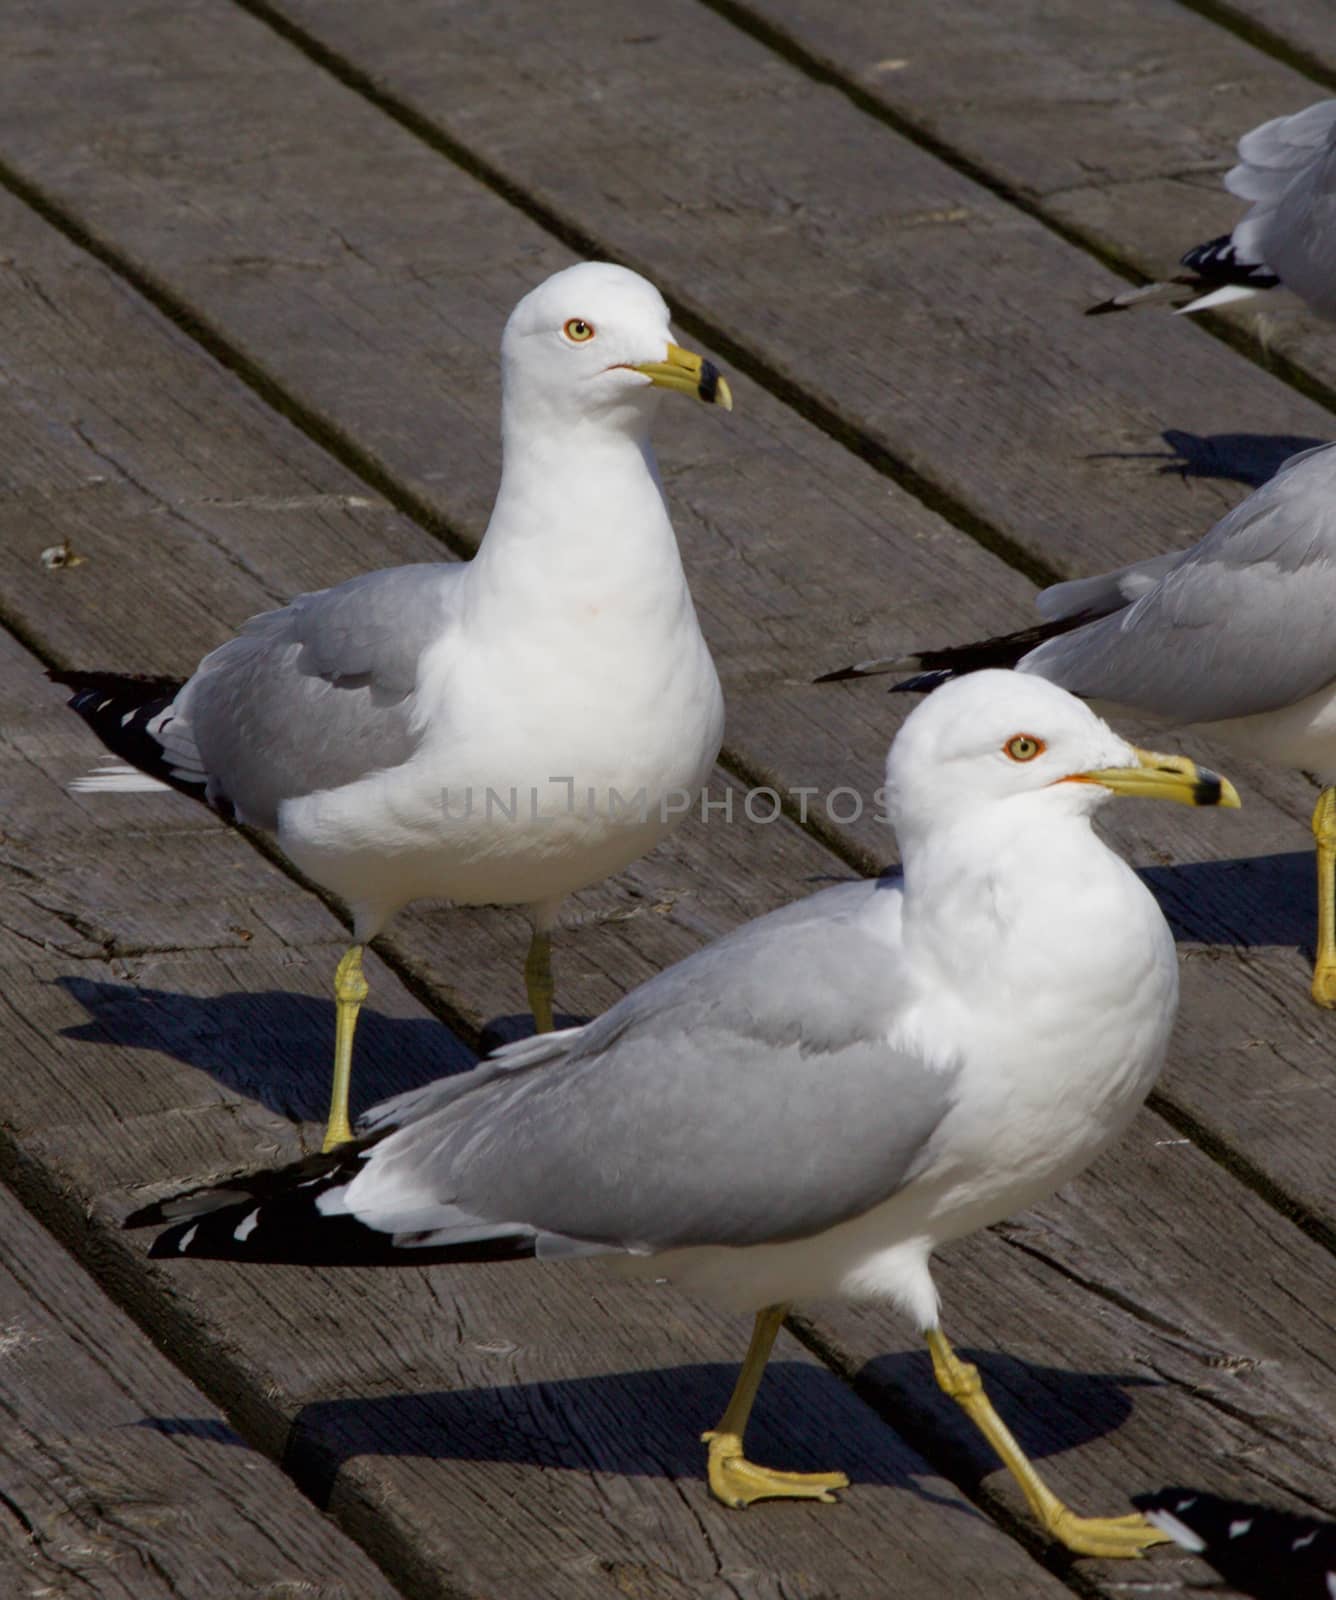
(688, 373)
(1161, 777)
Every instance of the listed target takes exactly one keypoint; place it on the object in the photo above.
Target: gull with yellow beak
(1228, 640)
(809, 1107)
(501, 731)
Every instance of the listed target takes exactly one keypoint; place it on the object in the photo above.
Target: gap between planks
(798, 56)
(336, 442)
(1261, 37)
(933, 495)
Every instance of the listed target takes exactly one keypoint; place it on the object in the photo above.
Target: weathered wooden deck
(256, 261)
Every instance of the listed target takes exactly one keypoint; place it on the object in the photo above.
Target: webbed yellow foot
(1104, 1536)
(738, 1482)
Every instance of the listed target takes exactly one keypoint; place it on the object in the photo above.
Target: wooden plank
(335, 1403)
(981, 303)
(498, 1432)
(1152, 1274)
(1295, 30)
(1119, 130)
(120, 1478)
(117, 427)
(782, 731)
(852, 266)
(169, 1023)
(60, 1143)
(739, 272)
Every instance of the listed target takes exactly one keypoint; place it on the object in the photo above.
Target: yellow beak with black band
(689, 373)
(1166, 778)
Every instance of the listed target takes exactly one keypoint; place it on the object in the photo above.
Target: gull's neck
(580, 508)
(983, 891)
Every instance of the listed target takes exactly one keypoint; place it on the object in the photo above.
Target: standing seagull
(500, 731)
(1234, 638)
(808, 1107)
(1287, 239)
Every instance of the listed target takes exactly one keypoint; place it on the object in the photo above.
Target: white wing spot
(1236, 1529)
(1303, 1544)
(1178, 1531)
(246, 1227)
(186, 1237)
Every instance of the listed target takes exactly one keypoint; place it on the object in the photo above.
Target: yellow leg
(350, 990)
(1088, 1536)
(1324, 834)
(538, 981)
(734, 1479)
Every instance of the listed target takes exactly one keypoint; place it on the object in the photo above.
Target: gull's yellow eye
(578, 331)
(1024, 747)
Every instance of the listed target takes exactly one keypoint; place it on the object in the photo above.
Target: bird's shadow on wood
(1250, 458)
(1050, 1410)
(276, 1048)
(648, 1423)
(1250, 901)
(1257, 1549)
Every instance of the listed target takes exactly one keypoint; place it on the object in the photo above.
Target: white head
(593, 343)
(1022, 748)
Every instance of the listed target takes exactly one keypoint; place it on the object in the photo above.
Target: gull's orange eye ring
(578, 331)
(1024, 747)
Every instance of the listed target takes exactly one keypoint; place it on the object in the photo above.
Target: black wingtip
(1260, 1550)
(922, 682)
(167, 1244)
(275, 1217)
(132, 688)
(150, 1216)
(844, 675)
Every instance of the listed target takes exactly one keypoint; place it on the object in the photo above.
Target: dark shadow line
(1262, 38)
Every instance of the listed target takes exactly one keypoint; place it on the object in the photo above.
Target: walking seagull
(808, 1107)
(500, 731)
(1233, 638)
(1287, 239)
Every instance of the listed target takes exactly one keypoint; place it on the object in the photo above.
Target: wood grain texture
(120, 1479)
(1297, 29)
(505, 1431)
(745, 552)
(903, 300)
(1119, 130)
(397, 351)
(182, 1008)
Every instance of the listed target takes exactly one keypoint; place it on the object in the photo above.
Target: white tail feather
(1218, 297)
(114, 777)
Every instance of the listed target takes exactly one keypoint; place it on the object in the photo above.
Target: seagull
(1287, 239)
(1232, 638)
(499, 731)
(808, 1107)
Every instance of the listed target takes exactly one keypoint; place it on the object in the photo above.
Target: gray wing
(1110, 591)
(1287, 169)
(746, 1095)
(1239, 624)
(314, 695)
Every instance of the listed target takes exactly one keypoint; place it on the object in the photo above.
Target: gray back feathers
(1239, 624)
(1288, 170)
(800, 1082)
(315, 695)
